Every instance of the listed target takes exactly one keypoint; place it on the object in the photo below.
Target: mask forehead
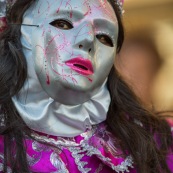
(75, 10)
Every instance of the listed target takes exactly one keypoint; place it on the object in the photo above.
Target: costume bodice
(94, 151)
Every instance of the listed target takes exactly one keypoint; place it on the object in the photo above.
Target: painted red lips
(80, 65)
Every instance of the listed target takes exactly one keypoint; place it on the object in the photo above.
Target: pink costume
(92, 151)
(65, 98)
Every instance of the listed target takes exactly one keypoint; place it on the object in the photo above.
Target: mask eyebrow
(106, 25)
(74, 15)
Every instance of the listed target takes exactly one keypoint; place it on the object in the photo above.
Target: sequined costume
(91, 152)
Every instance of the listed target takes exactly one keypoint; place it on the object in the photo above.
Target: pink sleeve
(170, 155)
(1, 144)
(1, 152)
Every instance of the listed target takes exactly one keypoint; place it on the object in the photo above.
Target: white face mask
(74, 47)
(69, 56)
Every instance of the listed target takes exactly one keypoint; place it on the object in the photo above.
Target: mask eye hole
(62, 24)
(105, 39)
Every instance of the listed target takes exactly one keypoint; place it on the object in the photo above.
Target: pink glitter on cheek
(70, 7)
(55, 62)
(60, 6)
(42, 11)
(67, 5)
(102, 9)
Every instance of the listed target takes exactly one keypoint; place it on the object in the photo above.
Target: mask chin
(73, 96)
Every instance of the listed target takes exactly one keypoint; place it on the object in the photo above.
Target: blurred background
(146, 59)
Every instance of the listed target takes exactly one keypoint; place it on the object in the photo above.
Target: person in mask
(64, 107)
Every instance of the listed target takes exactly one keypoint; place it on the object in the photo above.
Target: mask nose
(85, 38)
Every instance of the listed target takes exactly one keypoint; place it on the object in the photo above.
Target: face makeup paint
(73, 47)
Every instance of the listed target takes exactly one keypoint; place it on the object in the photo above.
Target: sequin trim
(65, 142)
(128, 162)
(77, 157)
(2, 166)
(58, 163)
(34, 159)
(83, 148)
